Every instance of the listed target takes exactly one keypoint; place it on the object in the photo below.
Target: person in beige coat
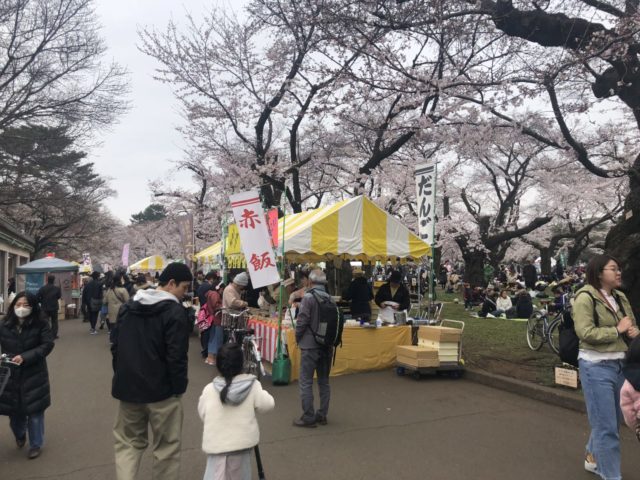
(115, 295)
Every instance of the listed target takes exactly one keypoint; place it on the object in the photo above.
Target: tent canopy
(48, 264)
(211, 253)
(354, 229)
(149, 264)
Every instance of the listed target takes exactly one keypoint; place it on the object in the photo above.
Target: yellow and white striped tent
(354, 229)
(149, 264)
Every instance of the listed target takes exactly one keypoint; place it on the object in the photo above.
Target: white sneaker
(590, 464)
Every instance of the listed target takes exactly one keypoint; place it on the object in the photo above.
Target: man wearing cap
(314, 358)
(394, 293)
(232, 295)
(360, 294)
(150, 344)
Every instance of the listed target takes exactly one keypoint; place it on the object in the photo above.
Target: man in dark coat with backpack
(315, 355)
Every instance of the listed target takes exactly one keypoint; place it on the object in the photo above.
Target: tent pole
(432, 286)
(281, 300)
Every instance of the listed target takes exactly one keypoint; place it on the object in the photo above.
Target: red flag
(272, 221)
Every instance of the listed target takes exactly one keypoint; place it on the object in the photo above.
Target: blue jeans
(601, 384)
(216, 334)
(33, 423)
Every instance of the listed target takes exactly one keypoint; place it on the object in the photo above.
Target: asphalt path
(380, 427)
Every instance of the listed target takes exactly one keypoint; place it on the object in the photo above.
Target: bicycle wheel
(554, 335)
(251, 362)
(535, 331)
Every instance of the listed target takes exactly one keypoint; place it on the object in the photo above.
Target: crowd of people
(150, 329)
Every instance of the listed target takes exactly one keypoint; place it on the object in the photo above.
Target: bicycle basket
(234, 320)
(5, 373)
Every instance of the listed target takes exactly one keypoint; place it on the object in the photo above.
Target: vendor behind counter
(394, 291)
(359, 294)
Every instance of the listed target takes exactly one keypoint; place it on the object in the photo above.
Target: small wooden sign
(567, 377)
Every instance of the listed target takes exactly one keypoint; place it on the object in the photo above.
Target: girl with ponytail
(228, 407)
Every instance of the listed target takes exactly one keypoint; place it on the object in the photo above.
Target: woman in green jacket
(603, 320)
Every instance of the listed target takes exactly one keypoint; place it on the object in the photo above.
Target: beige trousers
(131, 438)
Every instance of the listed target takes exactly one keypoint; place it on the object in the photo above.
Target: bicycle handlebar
(6, 359)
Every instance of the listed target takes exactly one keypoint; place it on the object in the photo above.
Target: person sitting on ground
(503, 303)
(477, 297)
(489, 305)
(452, 283)
(559, 300)
(227, 408)
(524, 304)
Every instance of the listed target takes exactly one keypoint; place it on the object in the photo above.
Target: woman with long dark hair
(603, 320)
(115, 295)
(27, 339)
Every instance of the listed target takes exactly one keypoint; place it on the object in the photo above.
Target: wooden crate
(417, 352)
(439, 334)
(418, 362)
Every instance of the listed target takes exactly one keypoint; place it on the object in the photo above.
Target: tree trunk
(545, 261)
(623, 241)
(474, 268)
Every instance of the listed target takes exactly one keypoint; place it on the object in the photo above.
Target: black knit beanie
(176, 271)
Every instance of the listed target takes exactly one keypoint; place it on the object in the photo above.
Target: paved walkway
(381, 427)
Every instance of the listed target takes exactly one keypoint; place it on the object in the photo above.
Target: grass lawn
(499, 345)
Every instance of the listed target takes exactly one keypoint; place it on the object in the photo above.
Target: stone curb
(555, 396)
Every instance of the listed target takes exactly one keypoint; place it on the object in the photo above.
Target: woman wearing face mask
(27, 339)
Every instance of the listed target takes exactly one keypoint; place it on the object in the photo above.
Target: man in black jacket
(48, 297)
(92, 294)
(149, 346)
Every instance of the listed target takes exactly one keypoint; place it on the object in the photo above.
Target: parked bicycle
(234, 323)
(541, 329)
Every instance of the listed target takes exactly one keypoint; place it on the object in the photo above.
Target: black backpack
(568, 339)
(330, 321)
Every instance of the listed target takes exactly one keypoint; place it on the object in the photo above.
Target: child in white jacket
(228, 409)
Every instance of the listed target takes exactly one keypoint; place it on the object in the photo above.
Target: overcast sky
(142, 146)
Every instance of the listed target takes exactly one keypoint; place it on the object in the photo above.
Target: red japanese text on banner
(255, 239)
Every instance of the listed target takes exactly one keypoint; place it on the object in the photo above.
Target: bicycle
(5, 370)
(541, 330)
(234, 323)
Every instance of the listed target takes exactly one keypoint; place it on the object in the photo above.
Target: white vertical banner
(125, 255)
(255, 238)
(426, 201)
